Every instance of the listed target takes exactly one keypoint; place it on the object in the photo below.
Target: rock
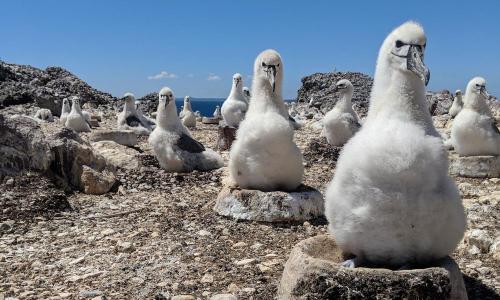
(10, 181)
(122, 137)
(313, 271)
(70, 154)
(480, 239)
(321, 86)
(90, 294)
(245, 262)
(203, 232)
(223, 297)
(117, 155)
(207, 278)
(304, 204)
(97, 183)
(23, 146)
(207, 120)
(239, 245)
(474, 166)
(183, 297)
(44, 115)
(226, 137)
(126, 247)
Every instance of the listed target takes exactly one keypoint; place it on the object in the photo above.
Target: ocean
(206, 106)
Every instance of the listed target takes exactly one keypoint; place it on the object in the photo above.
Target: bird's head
(458, 93)
(165, 96)
(403, 50)
(344, 86)
(268, 68)
(187, 99)
(477, 87)
(246, 91)
(237, 80)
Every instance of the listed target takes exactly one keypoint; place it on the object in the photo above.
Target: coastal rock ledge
(304, 204)
(313, 271)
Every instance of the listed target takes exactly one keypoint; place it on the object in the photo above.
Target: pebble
(183, 297)
(224, 297)
(203, 232)
(244, 262)
(107, 232)
(90, 294)
(207, 278)
(10, 181)
(126, 247)
(239, 245)
(233, 288)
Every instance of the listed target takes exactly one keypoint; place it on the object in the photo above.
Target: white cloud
(190, 75)
(212, 77)
(163, 74)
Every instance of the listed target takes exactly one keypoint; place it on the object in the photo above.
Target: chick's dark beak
(415, 63)
(271, 75)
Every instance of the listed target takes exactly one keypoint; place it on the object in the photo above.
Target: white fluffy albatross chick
(474, 130)
(264, 155)
(66, 109)
(75, 119)
(342, 122)
(217, 114)
(188, 116)
(172, 143)
(457, 104)
(130, 119)
(391, 201)
(247, 94)
(235, 106)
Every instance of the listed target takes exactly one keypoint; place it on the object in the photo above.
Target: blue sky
(119, 46)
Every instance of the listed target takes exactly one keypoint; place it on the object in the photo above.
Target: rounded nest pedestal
(475, 166)
(313, 271)
(303, 204)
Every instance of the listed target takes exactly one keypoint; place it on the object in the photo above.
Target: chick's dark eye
(399, 44)
(264, 64)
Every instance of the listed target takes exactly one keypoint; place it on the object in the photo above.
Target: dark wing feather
(189, 144)
(291, 119)
(133, 121)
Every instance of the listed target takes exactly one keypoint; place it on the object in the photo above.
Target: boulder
(123, 137)
(96, 183)
(313, 271)
(70, 154)
(226, 137)
(117, 155)
(22, 145)
(303, 204)
(474, 166)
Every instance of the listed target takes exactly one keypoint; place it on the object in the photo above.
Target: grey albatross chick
(172, 143)
(130, 119)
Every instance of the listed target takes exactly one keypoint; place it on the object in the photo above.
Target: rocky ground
(156, 235)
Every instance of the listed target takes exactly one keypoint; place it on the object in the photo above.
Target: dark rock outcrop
(149, 103)
(22, 84)
(320, 86)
